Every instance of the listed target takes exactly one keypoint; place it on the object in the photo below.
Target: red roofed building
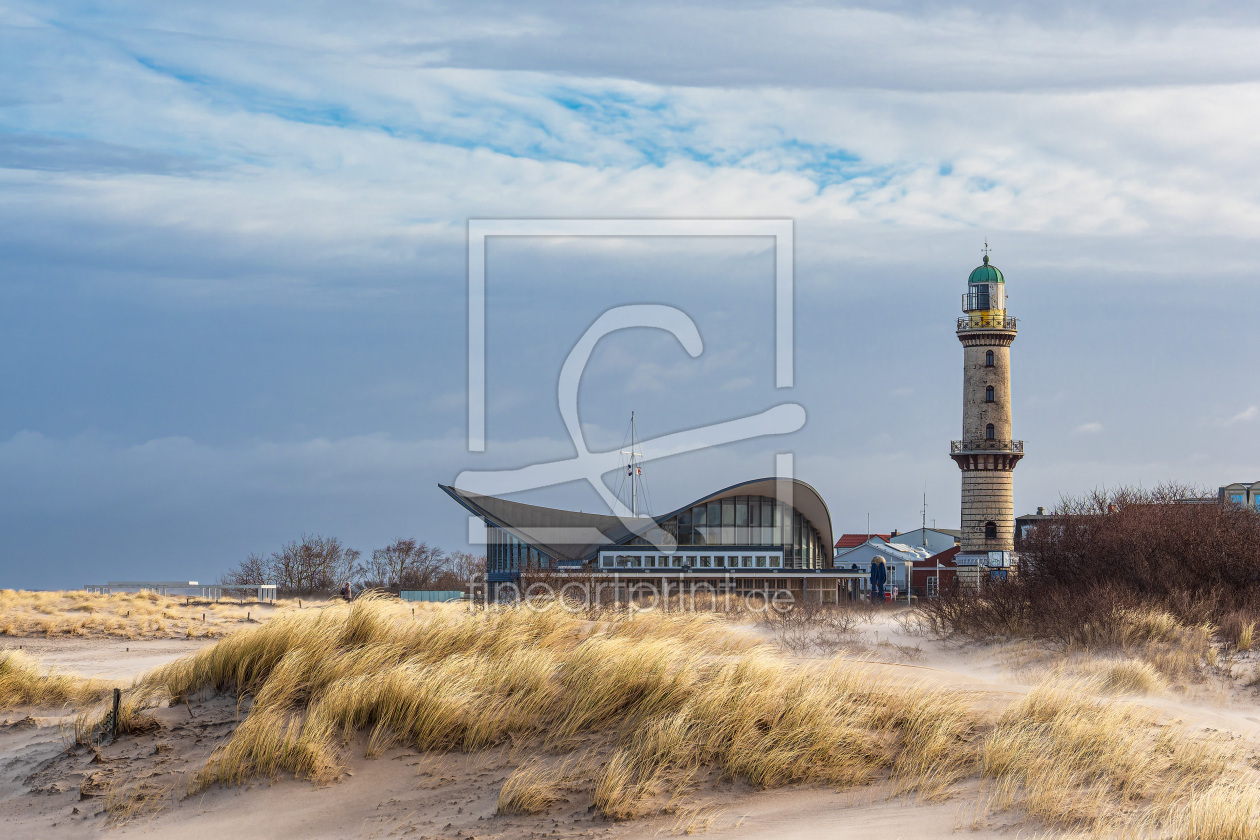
(848, 541)
(935, 574)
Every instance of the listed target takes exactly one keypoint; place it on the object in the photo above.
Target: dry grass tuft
(128, 801)
(95, 724)
(1127, 676)
(22, 682)
(533, 789)
(1072, 759)
(1225, 811)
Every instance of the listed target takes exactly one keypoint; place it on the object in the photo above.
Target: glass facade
(747, 523)
(505, 553)
(750, 521)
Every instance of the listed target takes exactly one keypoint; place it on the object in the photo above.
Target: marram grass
(667, 700)
(23, 682)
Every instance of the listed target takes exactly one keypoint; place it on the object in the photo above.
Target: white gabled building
(896, 557)
(935, 540)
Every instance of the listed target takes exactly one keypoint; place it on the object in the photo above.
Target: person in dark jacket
(879, 576)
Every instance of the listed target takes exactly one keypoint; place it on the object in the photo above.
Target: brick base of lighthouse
(987, 496)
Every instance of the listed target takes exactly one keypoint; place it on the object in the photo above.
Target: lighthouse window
(988, 432)
(988, 359)
(990, 530)
(988, 394)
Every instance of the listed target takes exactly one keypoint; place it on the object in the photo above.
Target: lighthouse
(988, 452)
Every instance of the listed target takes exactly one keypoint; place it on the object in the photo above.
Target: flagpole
(634, 479)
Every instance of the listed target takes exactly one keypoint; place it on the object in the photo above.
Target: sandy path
(110, 659)
(407, 794)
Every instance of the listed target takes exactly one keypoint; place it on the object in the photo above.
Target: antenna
(923, 531)
(634, 471)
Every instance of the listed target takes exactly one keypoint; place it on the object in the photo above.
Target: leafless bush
(1110, 567)
(812, 627)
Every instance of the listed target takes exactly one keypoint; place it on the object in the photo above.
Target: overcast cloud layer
(233, 256)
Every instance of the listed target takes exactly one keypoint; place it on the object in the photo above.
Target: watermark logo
(590, 466)
(585, 593)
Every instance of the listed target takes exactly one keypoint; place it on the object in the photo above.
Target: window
(990, 530)
(748, 563)
(988, 358)
(989, 432)
(988, 394)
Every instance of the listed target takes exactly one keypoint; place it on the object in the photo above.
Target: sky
(234, 259)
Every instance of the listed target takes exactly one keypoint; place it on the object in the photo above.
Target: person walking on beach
(879, 576)
(347, 592)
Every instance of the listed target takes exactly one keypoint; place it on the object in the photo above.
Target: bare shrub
(1127, 568)
(811, 627)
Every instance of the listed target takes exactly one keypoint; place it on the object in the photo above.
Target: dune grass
(122, 615)
(669, 704)
(23, 682)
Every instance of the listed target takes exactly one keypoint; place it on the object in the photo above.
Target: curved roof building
(764, 526)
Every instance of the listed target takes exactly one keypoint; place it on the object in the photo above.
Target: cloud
(1251, 412)
(176, 188)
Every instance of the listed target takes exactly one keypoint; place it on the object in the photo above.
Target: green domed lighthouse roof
(986, 273)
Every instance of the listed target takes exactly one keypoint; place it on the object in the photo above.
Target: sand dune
(48, 790)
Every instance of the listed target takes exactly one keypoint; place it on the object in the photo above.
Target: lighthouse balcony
(968, 446)
(995, 320)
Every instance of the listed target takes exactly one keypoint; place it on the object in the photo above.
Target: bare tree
(405, 564)
(253, 570)
(467, 567)
(300, 567)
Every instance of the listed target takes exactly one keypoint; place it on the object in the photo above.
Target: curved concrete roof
(790, 491)
(575, 537)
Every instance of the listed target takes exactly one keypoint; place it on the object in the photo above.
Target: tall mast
(633, 469)
(923, 530)
(634, 479)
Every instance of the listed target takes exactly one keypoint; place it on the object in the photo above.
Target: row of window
(750, 521)
(693, 561)
(1240, 499)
